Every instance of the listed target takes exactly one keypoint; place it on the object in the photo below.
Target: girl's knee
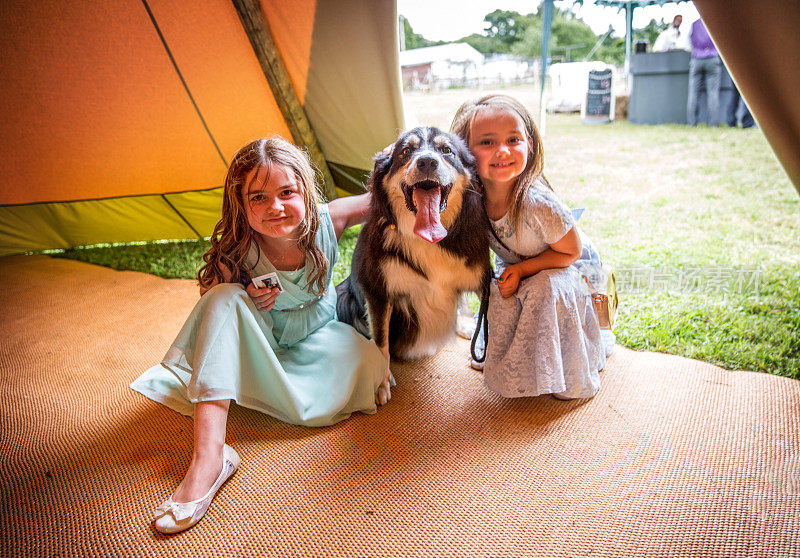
(224, 292)
(553, 275)
(542, 285)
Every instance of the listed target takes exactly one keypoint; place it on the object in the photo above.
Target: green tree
(415, 40)
(612, 51)
(481, 43)
(571, 37)
(506, 28)
(530, 45)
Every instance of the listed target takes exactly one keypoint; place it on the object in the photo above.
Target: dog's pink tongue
(428, 225)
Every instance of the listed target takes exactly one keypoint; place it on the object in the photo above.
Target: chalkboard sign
(599, 104)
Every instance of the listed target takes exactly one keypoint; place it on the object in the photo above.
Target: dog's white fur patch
(433, 300)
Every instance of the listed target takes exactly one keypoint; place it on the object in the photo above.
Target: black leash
(482, 321)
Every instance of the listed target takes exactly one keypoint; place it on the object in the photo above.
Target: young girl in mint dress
(280, 352)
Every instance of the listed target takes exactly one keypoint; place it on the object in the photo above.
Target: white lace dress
(546, 337)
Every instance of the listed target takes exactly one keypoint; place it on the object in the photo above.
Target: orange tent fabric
(118, 121)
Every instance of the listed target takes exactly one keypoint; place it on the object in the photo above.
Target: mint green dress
(295, 362)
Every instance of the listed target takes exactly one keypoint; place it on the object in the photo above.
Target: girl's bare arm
(349, 211)
(562, 253)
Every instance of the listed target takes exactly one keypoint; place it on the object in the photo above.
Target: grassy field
(702, 226)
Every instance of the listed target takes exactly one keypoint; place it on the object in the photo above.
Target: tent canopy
(118, 123)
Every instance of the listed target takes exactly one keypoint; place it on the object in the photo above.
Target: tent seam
(110, 198)
(183, 81)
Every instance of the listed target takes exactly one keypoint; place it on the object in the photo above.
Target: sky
(448, 20)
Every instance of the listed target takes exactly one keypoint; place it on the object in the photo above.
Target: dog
(424, 243)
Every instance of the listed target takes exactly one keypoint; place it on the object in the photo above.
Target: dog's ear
(383, 162)
(468, 161)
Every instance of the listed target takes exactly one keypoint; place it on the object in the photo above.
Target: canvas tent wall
(118, 118)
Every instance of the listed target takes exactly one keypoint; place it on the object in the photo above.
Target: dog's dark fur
(407, 286)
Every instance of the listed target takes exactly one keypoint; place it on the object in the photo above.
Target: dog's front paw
(383, 394)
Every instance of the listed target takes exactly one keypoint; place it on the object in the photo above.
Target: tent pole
(628, 43)
(547, 24)
(257, 28)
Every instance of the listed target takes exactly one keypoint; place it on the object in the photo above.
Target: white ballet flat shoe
(174, 517)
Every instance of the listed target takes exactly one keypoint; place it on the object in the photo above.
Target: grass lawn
(702, 226)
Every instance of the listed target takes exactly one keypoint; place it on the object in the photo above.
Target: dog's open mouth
(426, 200)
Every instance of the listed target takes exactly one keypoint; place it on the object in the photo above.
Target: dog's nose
(427, 163)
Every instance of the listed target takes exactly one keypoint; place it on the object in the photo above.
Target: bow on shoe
(173, 517)
(179, 511)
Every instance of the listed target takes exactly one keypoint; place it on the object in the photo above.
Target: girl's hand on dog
(508, 282)
(264, 299)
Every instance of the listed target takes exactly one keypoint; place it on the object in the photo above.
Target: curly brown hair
(462, 122)
(232, 236)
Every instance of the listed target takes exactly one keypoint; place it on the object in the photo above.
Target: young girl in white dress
(281, 352)
(544, 335)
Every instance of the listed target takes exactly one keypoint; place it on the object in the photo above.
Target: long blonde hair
(232, 236)
(462, 123)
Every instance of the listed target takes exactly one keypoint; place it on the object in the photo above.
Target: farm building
(440, 66)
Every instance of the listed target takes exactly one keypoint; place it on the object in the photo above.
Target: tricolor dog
(424, 243)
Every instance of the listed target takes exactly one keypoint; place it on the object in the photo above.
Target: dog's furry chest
(421, 269)
(424, 281)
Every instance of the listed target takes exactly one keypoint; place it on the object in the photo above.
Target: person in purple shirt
(705, 69)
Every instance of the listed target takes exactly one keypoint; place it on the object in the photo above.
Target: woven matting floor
(672, 458)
